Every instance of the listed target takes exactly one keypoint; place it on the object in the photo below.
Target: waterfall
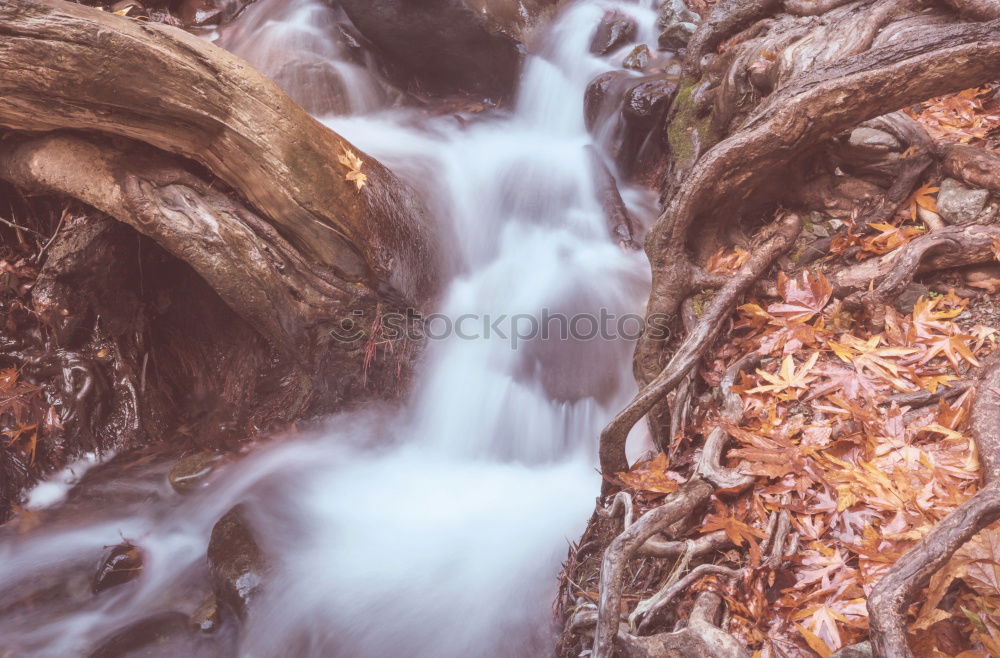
(434, 528)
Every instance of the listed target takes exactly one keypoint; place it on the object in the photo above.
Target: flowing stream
(431, 529)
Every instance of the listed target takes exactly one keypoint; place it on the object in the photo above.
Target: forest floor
(858, 441)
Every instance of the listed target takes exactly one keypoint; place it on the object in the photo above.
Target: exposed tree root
(691, 497)
(742, 120)
(807, 109)
(812, 7)
(675, 508)
(648, 608)
(700, 638)
(258, 273)
(976, 166)
(778, 238)
(952, 246)
(888, 602)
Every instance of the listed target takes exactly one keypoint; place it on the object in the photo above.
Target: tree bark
(66, 66)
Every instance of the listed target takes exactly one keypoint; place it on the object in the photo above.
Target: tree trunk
(307, 239)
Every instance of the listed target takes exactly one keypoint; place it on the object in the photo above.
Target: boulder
(622, 111)
(603, 97)
(906, 300)
(675, 11)
(677, 23)
(613, 32)
(449, 46)
(236, 561)
(959, 204)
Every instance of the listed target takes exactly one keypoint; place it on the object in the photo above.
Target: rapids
(435, 528)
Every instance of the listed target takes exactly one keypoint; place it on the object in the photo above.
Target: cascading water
(435, 529)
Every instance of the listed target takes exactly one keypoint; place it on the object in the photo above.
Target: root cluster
(791, 78)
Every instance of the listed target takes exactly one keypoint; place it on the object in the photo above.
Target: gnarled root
(951, 246)
(612, 447)
(640, 537)
(676, 507)
(888, 603)
(701, 638)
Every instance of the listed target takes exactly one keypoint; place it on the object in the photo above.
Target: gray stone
(192, 472)
(676, 36)
(860, 650)
(874, 140)
(958, 204)
(675, 11)
(613, 32)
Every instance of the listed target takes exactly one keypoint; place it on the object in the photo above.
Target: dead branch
(656, 546)
(701, 638)
(255, 271)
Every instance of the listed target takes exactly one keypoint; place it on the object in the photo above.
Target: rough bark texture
(63, 65)
(226, 182)
(811, 108)
(748, 123)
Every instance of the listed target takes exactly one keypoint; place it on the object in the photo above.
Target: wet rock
(812, 251)
(958, 204)
(165, 635)
(450, 46)
(614, 31)
(602, 97)
(236, 561)
(907, 299)
(638, 59)
(644, 105)
(200, 13)
(649, 98)
(676, 36)
(675, 11)
(205, 618)
(120, 564)
(623, 112)
(192, 472)
(620, 223)
(873, 140)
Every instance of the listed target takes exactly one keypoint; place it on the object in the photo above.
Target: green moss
(684, 121)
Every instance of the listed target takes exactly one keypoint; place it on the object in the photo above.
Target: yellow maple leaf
(353, 163)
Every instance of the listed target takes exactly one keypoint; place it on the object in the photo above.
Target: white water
(433, 530)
